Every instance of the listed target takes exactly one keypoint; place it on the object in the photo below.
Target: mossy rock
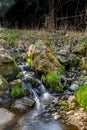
(16, 88)
(8, 67)
(64, 104)
(74, 59)
(42, 57)
(3, 85)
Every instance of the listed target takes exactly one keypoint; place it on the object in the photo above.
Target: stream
(37, 118)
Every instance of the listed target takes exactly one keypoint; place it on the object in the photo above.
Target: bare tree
(51, 22)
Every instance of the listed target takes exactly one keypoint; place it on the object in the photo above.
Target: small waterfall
(45, 96)
(41, 86)
(36, 99)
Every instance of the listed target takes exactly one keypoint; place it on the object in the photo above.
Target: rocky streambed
(26, 69)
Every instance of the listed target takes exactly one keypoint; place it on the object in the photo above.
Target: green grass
(81, 96)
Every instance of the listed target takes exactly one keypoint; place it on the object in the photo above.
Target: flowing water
(37, 118)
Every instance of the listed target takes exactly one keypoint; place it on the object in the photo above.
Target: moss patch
(52, 79)
(16, 92)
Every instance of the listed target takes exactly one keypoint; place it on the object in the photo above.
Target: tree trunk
(51, 22)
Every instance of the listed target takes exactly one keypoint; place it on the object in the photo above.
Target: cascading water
(38, 118)
(32, 120)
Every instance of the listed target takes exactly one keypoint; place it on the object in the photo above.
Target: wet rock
(62, 52)
(5, 117)
(15, 83)
(17, 107)
(73, 87)
(28, 102)
(21, 105)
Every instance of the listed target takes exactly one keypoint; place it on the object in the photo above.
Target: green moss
(29, 61)
(19, 75)
(16, 91)
(81, 96)
(58, 89)
(52, 79)
(64, 104)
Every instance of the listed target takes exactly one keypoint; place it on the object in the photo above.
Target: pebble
(70, 112)
(56, 117)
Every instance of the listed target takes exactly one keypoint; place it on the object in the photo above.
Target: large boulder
(21, 105)
(3, 84)
(42, 56)
(8, 67)
(5, 117)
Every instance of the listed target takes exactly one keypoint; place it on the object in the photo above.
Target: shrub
(81, 96)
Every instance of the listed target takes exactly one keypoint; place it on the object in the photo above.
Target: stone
(16, 88)
(57, 116)
(62, 59)
(70, 112)
(43, 59)
(81, 109)
(8, 67)
(15, 83)
(72, 102)
(73, 87)
(18, 107)
(71, 99)
(28, 101)
(5, 117)
(21, 105)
